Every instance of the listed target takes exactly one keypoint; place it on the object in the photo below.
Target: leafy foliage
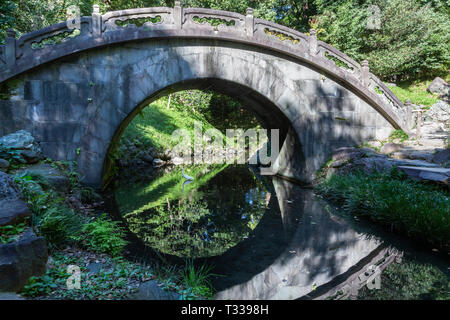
(11, 233)
(412, 41)
(103, 235)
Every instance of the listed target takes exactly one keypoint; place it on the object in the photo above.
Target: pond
(267, 238)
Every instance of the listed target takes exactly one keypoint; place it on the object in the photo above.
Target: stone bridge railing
(53, 42)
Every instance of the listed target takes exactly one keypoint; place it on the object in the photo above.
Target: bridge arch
(77, 96)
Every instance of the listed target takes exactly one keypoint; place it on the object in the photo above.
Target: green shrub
(103, 235)
(413, 40)
(59, 225)
(414, 209)
(398, 134)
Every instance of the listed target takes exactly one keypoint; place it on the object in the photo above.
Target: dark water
(268, 238)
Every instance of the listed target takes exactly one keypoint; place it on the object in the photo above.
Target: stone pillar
(10, 50)
(312, 42)
(365, 73)
(409, 115)
(249, 22)
(178, 15)
(96, 21)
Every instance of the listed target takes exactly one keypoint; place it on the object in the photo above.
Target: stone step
(427, 173)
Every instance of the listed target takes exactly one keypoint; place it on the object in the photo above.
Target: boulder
(442, 157)
(22, 259)
(346, 153)
(55, 177)
(13, 211)
(373, 164)
(440, 87)
(8, 188)
(20, 140)
(24, 142)
(440, 175)
(389, 148)
(439, 115)
(151, 290)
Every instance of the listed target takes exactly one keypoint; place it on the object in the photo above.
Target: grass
(155, 125)
(417, 210)
(61, 225)
(196, 280)
(416, 92)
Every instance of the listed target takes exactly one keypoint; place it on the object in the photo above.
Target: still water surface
(268, 238)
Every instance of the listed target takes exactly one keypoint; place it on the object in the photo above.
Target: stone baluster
(249, 22)
(365, 73)
(96, 21)
(10, 50)
(178, 15)
(312, 42)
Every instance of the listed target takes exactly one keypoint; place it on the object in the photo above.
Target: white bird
(186, 176)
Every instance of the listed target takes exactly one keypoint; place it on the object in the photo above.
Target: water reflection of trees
(205, 221)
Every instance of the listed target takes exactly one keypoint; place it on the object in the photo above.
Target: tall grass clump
(417, 210)
(197, 280)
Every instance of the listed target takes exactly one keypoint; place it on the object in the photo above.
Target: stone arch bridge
(76, 90)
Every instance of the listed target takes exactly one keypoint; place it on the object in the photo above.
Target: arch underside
(84, 101)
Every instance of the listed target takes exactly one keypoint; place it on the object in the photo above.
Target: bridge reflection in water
(319, 249)
(266, 237)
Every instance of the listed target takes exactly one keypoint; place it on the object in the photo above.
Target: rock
(439, 115)
(4, 164)
(424, 173)
(420, 155)
(20, 140)
(346, 153)
(13, 211)
(442, 157)
(94, 267)
(389, 148)
(53, 176)
(439, 86)
(338, 163)
(402, 154)
(158, 162)
(150, 290)
(22, 259)
(30, 156)
(417, 163)
(8, 188)
(375, 164)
